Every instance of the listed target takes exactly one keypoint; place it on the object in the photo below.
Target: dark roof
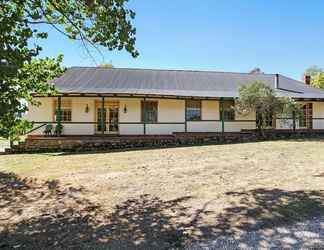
(182, 83)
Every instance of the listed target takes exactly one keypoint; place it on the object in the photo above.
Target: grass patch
(154, 198)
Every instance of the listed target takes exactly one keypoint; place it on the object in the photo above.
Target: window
(66, 110)
(150, 112)
(193, 110)
(229, 112)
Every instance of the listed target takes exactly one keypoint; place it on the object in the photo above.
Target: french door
(110, 117)
(306, 120)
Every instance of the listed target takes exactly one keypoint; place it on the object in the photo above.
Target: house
(120, 101)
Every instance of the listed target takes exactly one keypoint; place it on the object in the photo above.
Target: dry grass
(212, 189)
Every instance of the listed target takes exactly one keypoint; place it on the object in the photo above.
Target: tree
(313, 71)
(106, 65)
(317, 76)
(256, 71)
(96, 23)
(261, 99)
(318, 81)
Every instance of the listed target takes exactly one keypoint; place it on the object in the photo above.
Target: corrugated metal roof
(182, 83)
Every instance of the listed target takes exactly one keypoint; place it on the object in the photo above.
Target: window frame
(66, 106)
(227, 111)
(144, 117)
(200, 110)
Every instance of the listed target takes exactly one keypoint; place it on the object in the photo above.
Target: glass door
(306, 120)
(99, 127)
(110, 117)
(113, 117)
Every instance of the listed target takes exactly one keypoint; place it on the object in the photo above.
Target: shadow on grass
(49, 215)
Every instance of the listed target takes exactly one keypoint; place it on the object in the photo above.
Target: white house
(160, 102)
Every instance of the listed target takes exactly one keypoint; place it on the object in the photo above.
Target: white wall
(237, 126)
(164, 129)
(210, 110)
(318, 112)
(209, 115)
(169, 110)
(79, 115)
(133, 114)
(42, 113)
(204, 126)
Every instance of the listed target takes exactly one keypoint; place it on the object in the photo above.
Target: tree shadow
(50, 215)
(272, 218)
(264, 208)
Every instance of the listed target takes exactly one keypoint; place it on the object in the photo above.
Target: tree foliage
(261, 99)
(256, 71)
(317, 76)
(92, 22)
(106, 65)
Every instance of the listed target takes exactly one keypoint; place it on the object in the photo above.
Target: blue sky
(277, 36)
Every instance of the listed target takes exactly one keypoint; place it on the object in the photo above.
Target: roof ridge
(179, 70)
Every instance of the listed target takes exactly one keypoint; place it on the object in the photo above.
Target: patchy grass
(165, 197)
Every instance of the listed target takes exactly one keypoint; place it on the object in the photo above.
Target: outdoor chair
(48, 129)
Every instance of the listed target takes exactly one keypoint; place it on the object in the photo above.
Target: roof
(180, 83)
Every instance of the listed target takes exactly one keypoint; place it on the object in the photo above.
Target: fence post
(222, 113)
(186, 128)
(102, 114)
(59, 115)
(294, 120)
(144, 115)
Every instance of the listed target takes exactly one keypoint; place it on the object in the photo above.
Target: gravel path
(302, 235)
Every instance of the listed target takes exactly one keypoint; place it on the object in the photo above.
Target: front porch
(125, 115)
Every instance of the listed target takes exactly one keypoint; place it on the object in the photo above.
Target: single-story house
(95, 100)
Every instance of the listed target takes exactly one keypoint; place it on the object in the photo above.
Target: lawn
(158, 198)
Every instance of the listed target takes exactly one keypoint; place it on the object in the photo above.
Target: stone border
(90, 144)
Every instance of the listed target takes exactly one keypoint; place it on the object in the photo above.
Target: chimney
(307, 79)
(277, 81)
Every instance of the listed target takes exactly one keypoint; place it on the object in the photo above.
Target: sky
(278, 36)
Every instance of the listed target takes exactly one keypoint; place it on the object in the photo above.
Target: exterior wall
(41, 113)
(318, 112)
(79, 115)
(210, 110)
(242, 122)
(209, 116)
(169, 110)
(204, 126)
(171, 117)
(133, 114)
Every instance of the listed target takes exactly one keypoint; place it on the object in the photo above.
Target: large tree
(96, 23)
(261, 99)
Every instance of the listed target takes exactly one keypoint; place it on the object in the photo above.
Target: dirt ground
(159, 198)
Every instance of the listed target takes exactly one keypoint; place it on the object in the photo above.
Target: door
(110, 117)
(113, 117)
(306, 120)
